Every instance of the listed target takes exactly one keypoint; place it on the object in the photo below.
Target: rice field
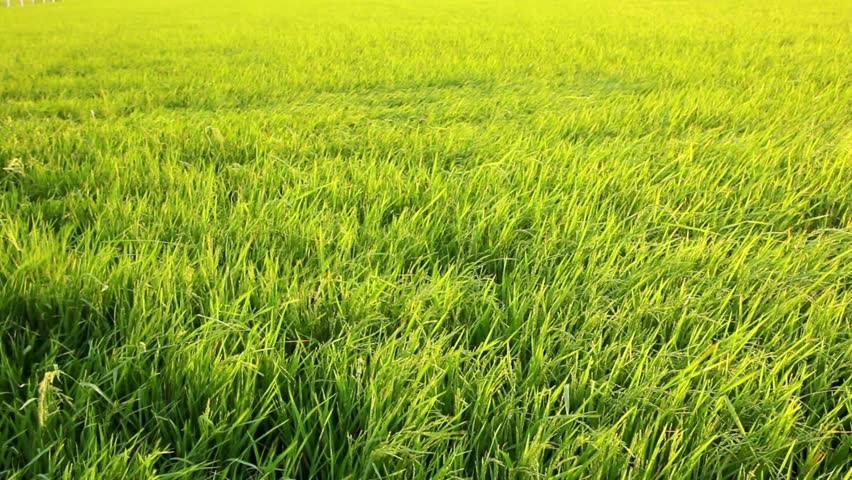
(456, 239)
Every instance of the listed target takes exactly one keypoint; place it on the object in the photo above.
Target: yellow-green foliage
(426, 240)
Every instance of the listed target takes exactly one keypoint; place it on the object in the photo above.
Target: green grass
(459, 239)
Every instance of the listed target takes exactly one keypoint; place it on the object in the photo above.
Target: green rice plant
(426, 240)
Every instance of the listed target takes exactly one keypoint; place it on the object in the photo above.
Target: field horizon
(481, 239)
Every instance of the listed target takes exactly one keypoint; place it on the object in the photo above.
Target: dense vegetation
(457, 239)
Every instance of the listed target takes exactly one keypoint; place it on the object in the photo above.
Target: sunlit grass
(480, 239)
